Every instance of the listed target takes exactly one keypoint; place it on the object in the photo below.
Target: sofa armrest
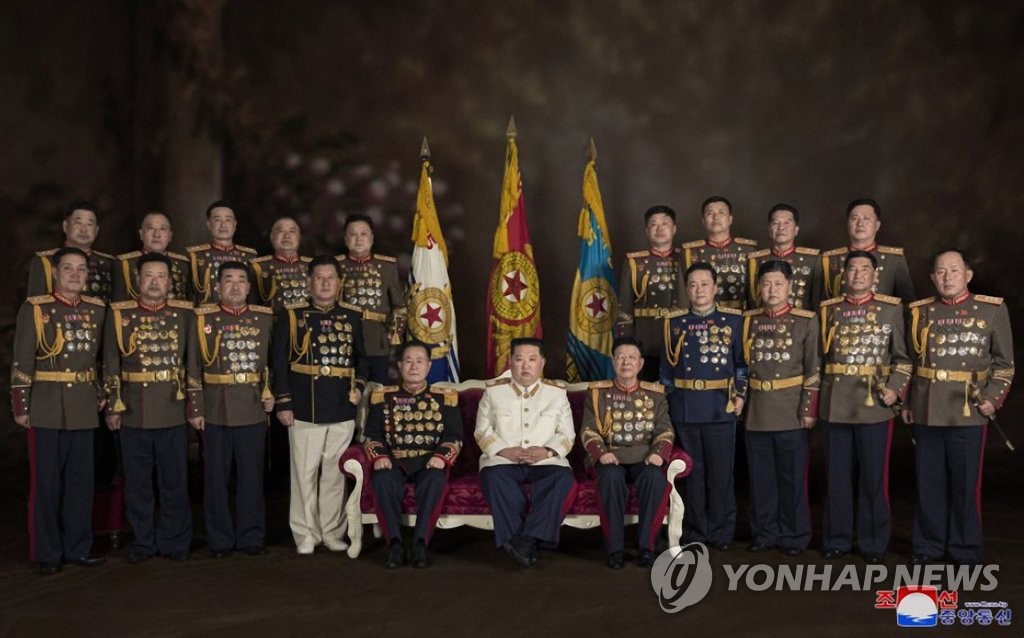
(356, 465)
(679, 454)
(680, 464)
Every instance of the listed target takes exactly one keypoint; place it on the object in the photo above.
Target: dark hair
(233, 265)
(627, 341)
(415, 343)
(660, 209)
(358, 217)
(864, 201)
(81, 205)
(713, 199)
(153, 257)
(775, 265)
(700, 265)
(61, 253)
(950, 249)
(154, 211)
(525, 341)
(860, 254)
(323, 260)
(781, 206)
(220, 203)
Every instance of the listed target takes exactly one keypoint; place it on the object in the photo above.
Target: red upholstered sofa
(465, 504)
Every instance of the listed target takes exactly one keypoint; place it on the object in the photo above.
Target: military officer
(866, 370)
(81, 226)
(627, 436)
(649, 288)
(706, 374)
(784, 354)
(963, 356)
(155, 233)
(413, 434)
(54, 394)
(282, 278)
(525, 431)
(863, 219)
(229, 352)
(783, 227)
(144, 374)
(370, 282)
(205, 259)
(319, 371)
(726, 253)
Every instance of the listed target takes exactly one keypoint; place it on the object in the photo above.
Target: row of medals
(863, 343)
(971, 343)
(763, 346)
(663, 277)
(364, 292)
(241, 351)
(714, 344)
(98, 282)
(335, 349)
(164, 347)
(632, 423)
(77, 339)
(292, 290)
(734, 277)
(425, 418)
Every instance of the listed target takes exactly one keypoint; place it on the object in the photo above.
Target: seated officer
(627, 435)
(413, 434)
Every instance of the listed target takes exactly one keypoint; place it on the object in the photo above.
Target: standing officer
(781, 345)
(525, 432)
(370, 282)
(963, 350)
(81, 226)
(229, 350)
(413, 434)
(54, 394)
(282, 278)
(649, 287)
(627, 435)
(319, 372)
(205, 259)
(726, 253)
(863, 220)
(866, 371)
(783, 227)
(155, 233)
(707, 376)
(143, 359)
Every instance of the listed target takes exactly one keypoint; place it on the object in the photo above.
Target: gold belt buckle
(239, 377)
(941, 375)
(698, 384)
(162, 375)
(851, 370)
(81, 377)
(325, 371)
(766, 386)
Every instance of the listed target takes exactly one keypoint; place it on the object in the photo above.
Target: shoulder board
(104, 255)
(124, 305)
(995, 301)
(694, 244)
(38, 299)
(45, 253)
(558, 383)
(180, 303)
(296, 304)
(195, 249)
(342, 304)
(922, 302)
(377, 396)
(836, 251)
(451, 395)
(651, 386)
(133, 254)
(206, 309)
(442, 390)
(889, 299)
(306, 259)
(384, 257)
(730, 311)
(261, 259)
(752, 313)
(599, 384)
(808, 251)
(96, 301)
(890, 250)
(833, 301)
(639, 253)
(759, 253)
(266, 310)
(499, 381)
(678, 312)
(246, 249)
(744, 241)
(177, 256)
(806, 314)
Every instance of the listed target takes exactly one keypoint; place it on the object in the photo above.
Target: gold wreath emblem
(515, 292)
(424, 303)
(591, 317)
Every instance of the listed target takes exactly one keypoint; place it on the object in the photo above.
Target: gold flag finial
(510, 131)
(592, 151)
(425, 149)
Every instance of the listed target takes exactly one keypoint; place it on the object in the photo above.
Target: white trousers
(316, 511)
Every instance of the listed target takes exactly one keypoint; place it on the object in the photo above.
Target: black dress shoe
(396, 556)
(522, 550)
(48, 569)
(134, 558)
(616, 560)
(873, 559)
(721, 546)
(177, 556)
(758, 547)
(791, 551)
(220, 553)
(419, 556)
(90, 560)
(258, 550)
(645, 558)
(832, 554)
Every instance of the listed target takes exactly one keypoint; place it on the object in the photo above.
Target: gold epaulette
(995, 301)
(599, 384)
(342, 304)
(206, 309)
(38, 299)
(451, 395)
(266, 310)
(759, 253)
(753, 313)
(678, 312)
(377, 396)
(652, 386)
(558, 383)
(195, 249)
(806, 314)
(694, 244)
(836, 251)
(745, 241)
(808, 251)
(132, 255)
(96, 301)
(246, 249)
(832, 301)
(499, 381)
(384, 257)
(890, 250)
(922, 302)
(104, 255)
(177, 256)
(180, 303)
(730, 311)
(889, 299)
(306, 259)
(124, 305)
(262, 259)
(639, 253)
(296, 304)
(46, 253)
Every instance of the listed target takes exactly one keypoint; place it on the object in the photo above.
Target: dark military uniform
(228, 378)
(126, 277)
(704, 366)
(281, 280)
(865, 353)
(372, 285)
(892, 276)
(99, 283)
(730, 260)
(651, 286)
(144, 375)
(204, 264)
(963, 354)
(807, 277)
(53, 381)
(632, 424)
(410, 429)
(784, 355)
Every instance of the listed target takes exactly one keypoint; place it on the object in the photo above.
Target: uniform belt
(65, 377)
(651, 312)
(701, 384)
(370, 315)
(322, 371)
(961, 376)
(776, 384)
(237, 378)
(150, 377)
(853, 370)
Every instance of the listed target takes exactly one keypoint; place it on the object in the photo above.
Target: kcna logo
(681, 576)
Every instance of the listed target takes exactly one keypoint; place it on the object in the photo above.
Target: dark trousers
(243, 446)
(779, 512)
(948, 514)
(861, 452)
(278, 454)
(710, 515)
(431, 485)
(552, 488)
(378, 369)
(166, 450)
(652, 492)
(60, 494)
